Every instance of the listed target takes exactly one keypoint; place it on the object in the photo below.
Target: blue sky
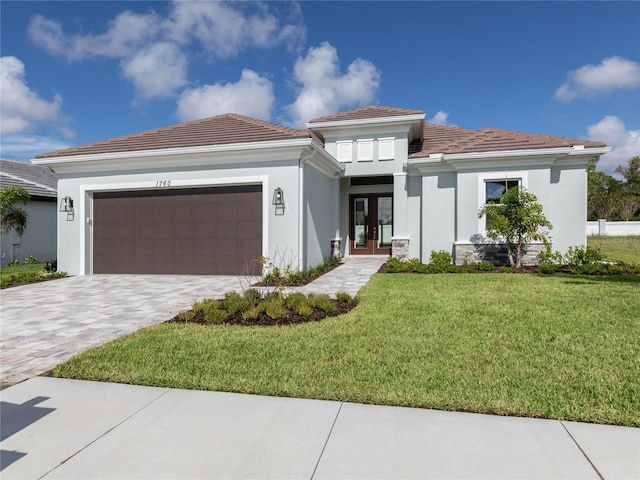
(77, 72)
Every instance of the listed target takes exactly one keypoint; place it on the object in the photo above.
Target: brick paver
(44, 324)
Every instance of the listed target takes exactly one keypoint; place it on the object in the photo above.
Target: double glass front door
(371, 219)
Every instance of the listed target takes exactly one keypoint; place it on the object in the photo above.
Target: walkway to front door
(371, 223)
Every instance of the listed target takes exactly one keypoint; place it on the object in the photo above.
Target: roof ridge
(22, 179)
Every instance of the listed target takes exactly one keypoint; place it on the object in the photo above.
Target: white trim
(366, 121)
(85, 190)
(522, 176)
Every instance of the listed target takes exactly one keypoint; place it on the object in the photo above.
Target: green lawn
(22, 268)
(552, 347)
(617, 249)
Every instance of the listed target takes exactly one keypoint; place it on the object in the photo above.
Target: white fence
(602, 227)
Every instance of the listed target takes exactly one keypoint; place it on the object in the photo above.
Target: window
(386, 148)
(495, 189)
(344, 150)
(493, 185)
(365, 150)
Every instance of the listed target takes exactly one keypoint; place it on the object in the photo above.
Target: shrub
(484, 266)
(549, 257)
(51, 266)
(441, 258)
(634, 268)
(295, 278)
(614, 269)
(274, 308)
(396, 266)
(186, 316)
(13, 263)
(215, 316)
(253, 313)
(30, 260)
(323, 302)
(304, 310)
(344, 297)
(234, 302)
(253, 296)
(582, 255)
(504, 269)
(203, 304)
(587, 268)
(295, 300)
(547, 268)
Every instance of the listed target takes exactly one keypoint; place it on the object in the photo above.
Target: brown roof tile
(447, 139)
(371, 111)
(219, 130)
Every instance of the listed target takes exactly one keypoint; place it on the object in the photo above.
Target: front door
(371, 219)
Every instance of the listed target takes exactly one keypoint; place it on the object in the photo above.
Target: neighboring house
(212, 196)
(39, 238)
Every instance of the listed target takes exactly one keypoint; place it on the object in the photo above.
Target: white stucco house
(213, 196)
(39, 239)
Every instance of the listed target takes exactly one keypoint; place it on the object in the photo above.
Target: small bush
(295, 278)
(483, 266)
(634, 268)
(586, 268)
(274, 308)
(396, 266)
(253, 313)
(234, 302)
(253, 296)
(323, 302)
(295, 300)
(13, 263)
(504, 269)
(215, 316)
(187, 316)
(51, 266)
(30, 260)
(582, 255)
(344, 297)
(614, 269)
(304, 310)
(441, 258)
(203, 304)
(547, 268)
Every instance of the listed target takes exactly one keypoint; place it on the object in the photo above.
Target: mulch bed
(291, 318)
(281, 282)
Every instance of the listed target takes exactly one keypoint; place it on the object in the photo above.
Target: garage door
(214, 231)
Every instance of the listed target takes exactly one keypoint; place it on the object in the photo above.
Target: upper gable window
(344, 150)
(386, 148)
(365, 150)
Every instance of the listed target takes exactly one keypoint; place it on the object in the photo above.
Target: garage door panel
(215, 230)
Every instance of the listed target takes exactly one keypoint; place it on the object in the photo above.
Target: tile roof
(371, 111)
(447, 139)
(219, 130)
(36, 180)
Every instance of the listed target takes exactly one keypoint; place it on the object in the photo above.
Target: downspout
(301, 213)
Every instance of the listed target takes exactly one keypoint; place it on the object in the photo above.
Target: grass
(551, 347)
(617, 249)
(25, 273)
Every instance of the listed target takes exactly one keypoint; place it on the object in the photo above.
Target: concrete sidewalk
(57, 428)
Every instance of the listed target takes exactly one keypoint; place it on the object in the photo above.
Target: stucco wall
(566, 206)
(438, 212)
(279, 231)
(321, 216)
(39, 238)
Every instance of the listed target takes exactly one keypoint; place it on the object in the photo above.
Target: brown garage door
(184, 231)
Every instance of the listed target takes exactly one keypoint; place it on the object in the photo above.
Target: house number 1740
(163, 183)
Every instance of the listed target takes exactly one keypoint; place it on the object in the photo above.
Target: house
(214, 196)
(39, 239)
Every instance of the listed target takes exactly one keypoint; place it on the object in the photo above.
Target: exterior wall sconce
(278, 201)
(66, 204)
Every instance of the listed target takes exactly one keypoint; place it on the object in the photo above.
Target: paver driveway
(44, 324)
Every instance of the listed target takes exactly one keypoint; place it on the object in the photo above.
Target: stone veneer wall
(400, 248)
(493, 252)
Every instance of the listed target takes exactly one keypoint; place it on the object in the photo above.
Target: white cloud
(252, 95)
(225, 30)
(625, 143)
(25, 147)
(591, 80)
(22, 108)
(151, 47)
(156, 71)
(323, 89)
(441, 118)
(126, 33)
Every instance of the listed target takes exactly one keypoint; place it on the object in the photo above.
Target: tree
(602, 194)
(516, 220)
(11, 216)
(631, 173)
